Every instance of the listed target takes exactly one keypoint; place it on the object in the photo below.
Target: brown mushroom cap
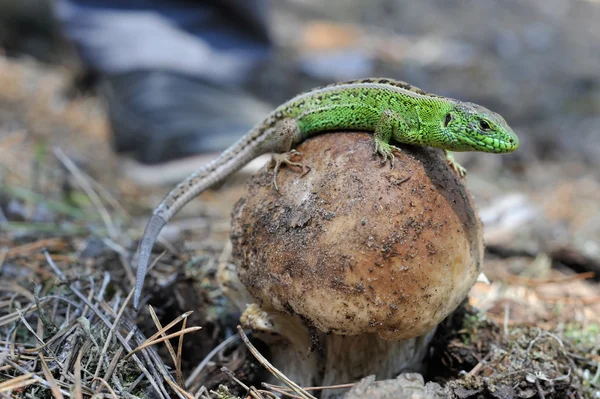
(354, 246)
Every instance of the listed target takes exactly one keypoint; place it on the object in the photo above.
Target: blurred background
(126, 106)
(535, 62)
(134, 111)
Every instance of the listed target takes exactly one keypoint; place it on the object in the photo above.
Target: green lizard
(390, 109)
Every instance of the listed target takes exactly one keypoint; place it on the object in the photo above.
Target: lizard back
(353, 105)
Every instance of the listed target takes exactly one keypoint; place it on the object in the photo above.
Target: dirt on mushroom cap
(355, 246)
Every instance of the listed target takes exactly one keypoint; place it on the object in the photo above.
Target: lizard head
(475, 128)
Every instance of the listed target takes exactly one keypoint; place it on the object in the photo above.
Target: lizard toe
(286, 159)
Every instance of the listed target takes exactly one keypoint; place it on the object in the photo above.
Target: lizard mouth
(504, 146)
(493, 145)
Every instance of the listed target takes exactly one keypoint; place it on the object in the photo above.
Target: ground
(531, 333)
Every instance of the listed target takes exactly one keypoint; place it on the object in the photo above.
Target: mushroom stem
(349, 358)
(290, 343)
(343, 359)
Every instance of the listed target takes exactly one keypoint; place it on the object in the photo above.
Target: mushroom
(355, 264)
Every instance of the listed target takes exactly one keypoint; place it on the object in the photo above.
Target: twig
(269, 394)
(112, 366)
(65, 331)
(26, 324)
(204, 362)
(168, 326)
(83, 182)
(77, 392)
(135, 383)
(285, 392)
(35, 246)
(202, 392)
(107, 322)
(38, 379)
(475, 370)
(251, 392)
(108, 197)
(103, 382)
(177, 388)
(154, 362)
(49, 325)
(17, 382)
(110, 335)
(539, 389)
(159, 340)
(320, 388)
(51, 381)
(295, 387)
(105, 282)
(178, 372)
(162, 333)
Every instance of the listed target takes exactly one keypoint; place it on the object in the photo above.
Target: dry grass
(69, 337)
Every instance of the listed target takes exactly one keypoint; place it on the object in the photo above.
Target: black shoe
(161, 116)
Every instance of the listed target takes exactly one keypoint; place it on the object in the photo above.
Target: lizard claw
(386, 151)
(456, 167)
(459, 169)
(392, 159)
(286, 159)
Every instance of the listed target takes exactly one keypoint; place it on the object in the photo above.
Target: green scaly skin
(392, 110)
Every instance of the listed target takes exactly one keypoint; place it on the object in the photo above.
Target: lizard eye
(448, 119)
(484, 125)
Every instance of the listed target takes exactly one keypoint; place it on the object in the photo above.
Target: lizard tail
(227, 163)
(153, 228)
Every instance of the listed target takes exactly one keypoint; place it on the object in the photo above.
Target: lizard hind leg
(280, 140)
(286, 159)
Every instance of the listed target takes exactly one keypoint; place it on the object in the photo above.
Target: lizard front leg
(281, 138)
(458, 168)
(388, 124)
